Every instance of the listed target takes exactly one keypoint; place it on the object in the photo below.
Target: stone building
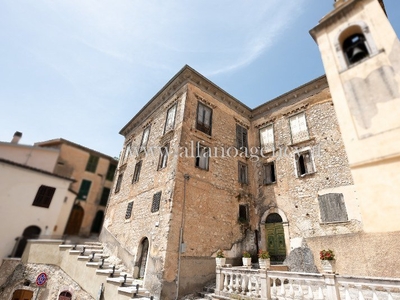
(201, 171)
(93, 173)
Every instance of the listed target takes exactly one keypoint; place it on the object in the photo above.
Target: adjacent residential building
(34, 201)
(93, 173)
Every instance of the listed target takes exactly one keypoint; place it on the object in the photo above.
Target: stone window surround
(301, 151)
(243, 176)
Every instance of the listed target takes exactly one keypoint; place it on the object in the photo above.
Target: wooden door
(75, 220)
(276, 241)
(22, 295)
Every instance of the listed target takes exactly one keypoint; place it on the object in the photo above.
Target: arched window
(31, 232)
(65, 295)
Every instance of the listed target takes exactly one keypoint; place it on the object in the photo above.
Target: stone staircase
(113, 277)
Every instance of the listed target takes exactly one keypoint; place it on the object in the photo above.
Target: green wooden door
(276, 241)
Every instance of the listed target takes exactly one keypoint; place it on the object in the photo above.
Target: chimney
(17, 136)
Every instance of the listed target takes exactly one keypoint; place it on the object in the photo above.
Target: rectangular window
(128, 213)
(243, 214)
(145, 139)
(332, 208)
(242, 172)
(304, 163)
(119, 182)
(269, 173)
(136, 173)
(267, 141)
(127, 152)
(44, 196)
(204, 118)
(84, 189)
(155, 205)
(163, 157)
(104, 196)
(241, 137)
(92, 163)
(170, 121)
(111, 172)
(298, 128)
(202, 156)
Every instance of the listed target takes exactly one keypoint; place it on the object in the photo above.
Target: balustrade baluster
(346, 292)
(231, 283)
(273, 289)
(257, 288)
(360, 294)
(225, 282)
(238, 283)
(282, 289)
(374, 295)
(300, 291)
(310, 294)
(245, 281)
(389, 294)
(291, 290)
(320, 293)
(249, 286)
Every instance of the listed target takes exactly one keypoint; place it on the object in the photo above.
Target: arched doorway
(65, 295)
(75, 220)
(275, 237)
(143, 257)
(22, 295)
(31, 232)
(97, 222)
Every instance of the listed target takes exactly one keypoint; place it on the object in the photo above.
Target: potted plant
(246, 259)
(264, 259)
(328, 261)
(220, 258)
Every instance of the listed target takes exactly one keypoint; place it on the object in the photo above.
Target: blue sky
(81, 69)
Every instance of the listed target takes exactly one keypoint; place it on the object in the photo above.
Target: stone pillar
(219, 280)
(265, 284)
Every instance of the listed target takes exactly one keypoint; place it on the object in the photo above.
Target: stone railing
(241, 282)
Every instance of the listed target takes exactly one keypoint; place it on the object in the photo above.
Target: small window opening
(243, 214)
(355, 48)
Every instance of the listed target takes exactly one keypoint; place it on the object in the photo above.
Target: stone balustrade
(246, 283)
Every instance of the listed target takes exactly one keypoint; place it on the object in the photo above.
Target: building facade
(34, 201)
(201, 171)
(93, 173)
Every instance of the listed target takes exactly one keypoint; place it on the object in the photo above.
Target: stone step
(97, 264)
(108, 272)
(87, 251)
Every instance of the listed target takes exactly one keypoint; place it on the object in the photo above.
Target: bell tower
(361, 56)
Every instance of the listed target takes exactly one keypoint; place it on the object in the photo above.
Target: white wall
(18, 188)
(35, 157)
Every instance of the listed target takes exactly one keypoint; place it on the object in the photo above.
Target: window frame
(81, 195)
(92, 163)
(44, 196)
(145, 139)
(128, 212)
(243, 208)
(265, 147)
(306, 165)
(198, 158)
(201, 125)
(272, 171)
(170, 125)
(241, 138)
(164, 154)
(243, 176)
(155, 204)
(296, 137)
(136, 172)
(118, 183)
(127, 152)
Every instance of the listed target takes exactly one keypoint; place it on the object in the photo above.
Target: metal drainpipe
(186, 178)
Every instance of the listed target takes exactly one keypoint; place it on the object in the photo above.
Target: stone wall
(24, 277)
